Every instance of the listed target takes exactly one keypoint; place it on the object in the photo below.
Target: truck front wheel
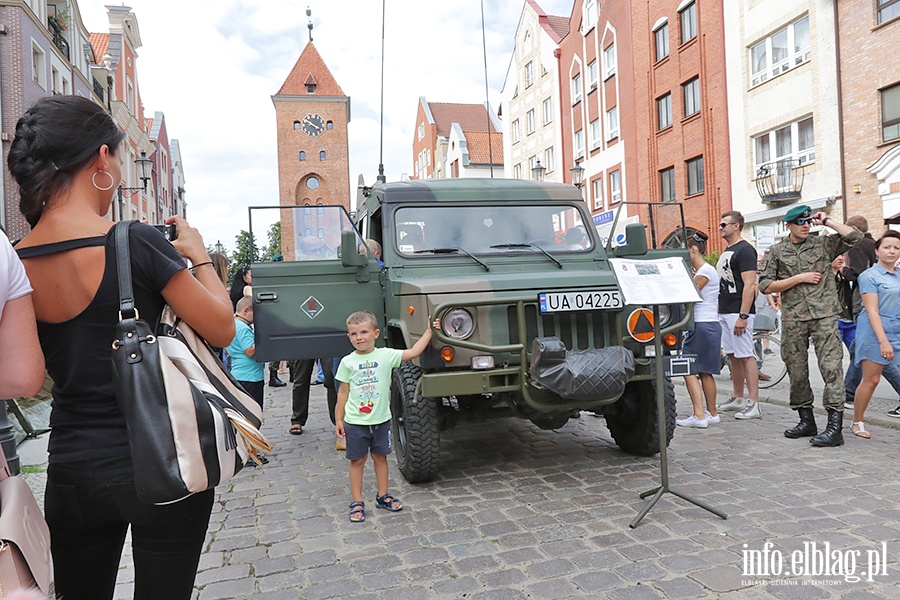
(415, 426)
(632, 420)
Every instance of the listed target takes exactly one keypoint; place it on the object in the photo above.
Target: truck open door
(301, 303)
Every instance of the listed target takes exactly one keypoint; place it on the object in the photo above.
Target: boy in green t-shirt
(363, 413)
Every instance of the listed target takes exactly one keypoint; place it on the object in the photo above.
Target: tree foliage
(245, 251)
(274, 245)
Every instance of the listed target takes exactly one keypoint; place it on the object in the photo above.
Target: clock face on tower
(313, 125)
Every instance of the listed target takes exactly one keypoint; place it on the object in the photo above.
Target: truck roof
(474, 190)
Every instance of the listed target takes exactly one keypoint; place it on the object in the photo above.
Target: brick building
(311, 115)
(870, 107)
(644, 111)
(476, 126)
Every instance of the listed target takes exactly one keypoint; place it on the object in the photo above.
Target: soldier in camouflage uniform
(799, 267)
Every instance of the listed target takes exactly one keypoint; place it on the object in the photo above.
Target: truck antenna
(381, 178)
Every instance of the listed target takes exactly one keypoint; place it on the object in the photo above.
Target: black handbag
(191, 426)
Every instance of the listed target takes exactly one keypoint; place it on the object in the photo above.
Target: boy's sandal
(357, 512)
(859, 429)
(296, 429)
(388, 502)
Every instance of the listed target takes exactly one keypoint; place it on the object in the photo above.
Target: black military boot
(806, 427)
(832, 435)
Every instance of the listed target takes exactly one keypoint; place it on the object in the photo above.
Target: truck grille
(577, 330)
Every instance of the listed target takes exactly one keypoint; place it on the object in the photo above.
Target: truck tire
(415, 426)
(633, 425)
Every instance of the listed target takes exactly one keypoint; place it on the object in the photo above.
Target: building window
(529, 121)
(595, 134)
(780, 52)
(597, 186)
(662, 41)
(516, 131)
(312, 183)
(615, 187)
(593, 75)
(549, 162)
(688, 22)
(887, 10)
(320, 233)
(667, 184)
(532, 163)
(529, 73)
(302, 156)
(890, 113)
(576, 89)
(421, 131)
(664, 112)
(612, 123)
(329, 125)
(590, 16)
(691, 93)
(297, 125)
(547, 109)
(695, 176)
(517, 171)
(609, 61)
(310, 88)
(38, 68)
(322, 155)
(579, 143)
(793, 141)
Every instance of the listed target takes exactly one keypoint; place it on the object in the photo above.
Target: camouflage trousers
(829, 354)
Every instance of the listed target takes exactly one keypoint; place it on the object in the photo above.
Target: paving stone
(269, 566)
(223, 590)
(229, 573)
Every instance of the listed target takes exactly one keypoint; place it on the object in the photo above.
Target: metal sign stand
(663, 488)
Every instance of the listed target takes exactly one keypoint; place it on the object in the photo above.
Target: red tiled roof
(310, 66)
(100, 43)
(560, 26)
(477, 144)
(471, 117)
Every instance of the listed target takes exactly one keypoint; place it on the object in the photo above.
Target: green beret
(801, 211)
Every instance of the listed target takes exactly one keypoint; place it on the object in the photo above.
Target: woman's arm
(22, 366)
(870, 301)
(701, 281)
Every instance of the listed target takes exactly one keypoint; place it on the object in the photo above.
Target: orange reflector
(670, 339)
(447, 353)
(640, 325)
(410, 310)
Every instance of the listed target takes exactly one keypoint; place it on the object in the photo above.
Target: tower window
(302, 156)
(312, 183)
(296, 125)
(322, 155)
(329, 125)
(310, 88)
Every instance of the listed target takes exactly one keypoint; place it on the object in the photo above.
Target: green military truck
(533, 323)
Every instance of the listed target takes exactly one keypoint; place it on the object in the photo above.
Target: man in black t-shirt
(737, 286)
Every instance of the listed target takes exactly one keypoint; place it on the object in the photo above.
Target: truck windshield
(491, 229)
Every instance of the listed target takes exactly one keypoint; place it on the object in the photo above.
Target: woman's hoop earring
(103, 189)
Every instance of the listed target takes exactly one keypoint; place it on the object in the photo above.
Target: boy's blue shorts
(363, 439)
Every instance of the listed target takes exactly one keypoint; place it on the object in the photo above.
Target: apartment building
(476, 149)
(783, 111)
(530, 97)
(869, 30)
(645, 112)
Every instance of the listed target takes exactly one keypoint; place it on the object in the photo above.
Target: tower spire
(309, 25)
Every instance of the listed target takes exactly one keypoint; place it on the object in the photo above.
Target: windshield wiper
(544, 252)
(452, 251)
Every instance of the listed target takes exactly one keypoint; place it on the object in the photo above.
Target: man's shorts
(739, 345)
(363, 439)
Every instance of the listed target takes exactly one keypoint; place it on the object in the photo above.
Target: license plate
(582, 300)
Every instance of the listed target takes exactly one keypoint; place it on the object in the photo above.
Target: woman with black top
(65, 158)
(243, 278)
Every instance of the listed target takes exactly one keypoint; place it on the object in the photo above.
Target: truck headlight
(458, 323)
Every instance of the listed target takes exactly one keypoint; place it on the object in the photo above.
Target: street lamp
(577, 174)
(145, 164)
(219, 247)
(537, 171)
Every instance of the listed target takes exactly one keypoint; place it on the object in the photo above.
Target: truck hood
(507, 282)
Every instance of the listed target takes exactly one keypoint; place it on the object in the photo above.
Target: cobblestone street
(518, 512)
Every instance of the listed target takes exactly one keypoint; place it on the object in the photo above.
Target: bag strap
(4, 466)
(63, 246)
(128, 313)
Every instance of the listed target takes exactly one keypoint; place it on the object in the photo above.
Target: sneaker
(731, 404)
(894, 413)
(848, 403)
(768, 351)
(712, 420)
(692, 421)
(751, 411)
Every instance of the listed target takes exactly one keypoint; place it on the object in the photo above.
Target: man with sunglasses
(737, 277)
(799, 267)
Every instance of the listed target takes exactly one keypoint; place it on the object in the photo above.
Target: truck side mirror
(353, 252)
(635, 241)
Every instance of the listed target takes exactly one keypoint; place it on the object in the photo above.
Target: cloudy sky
(212, 66)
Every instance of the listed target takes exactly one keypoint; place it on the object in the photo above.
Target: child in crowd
(242, 350)
(363, 413)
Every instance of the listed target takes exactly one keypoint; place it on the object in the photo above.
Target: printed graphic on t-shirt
(367, 384)
(726, 275)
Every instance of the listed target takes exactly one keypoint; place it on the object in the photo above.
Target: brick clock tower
(311, 113)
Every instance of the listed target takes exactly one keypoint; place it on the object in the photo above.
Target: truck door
(300, 304)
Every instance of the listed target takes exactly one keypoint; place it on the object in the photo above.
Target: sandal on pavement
(859, 430)
(357, 512)
(388, 502)
(296, 429)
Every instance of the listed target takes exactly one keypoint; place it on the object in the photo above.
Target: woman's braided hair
(55, 139)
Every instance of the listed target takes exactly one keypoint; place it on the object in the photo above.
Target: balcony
(57, 27)
(780, 181)
(99, 91)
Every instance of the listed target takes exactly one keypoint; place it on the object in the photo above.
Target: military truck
(514, 296)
